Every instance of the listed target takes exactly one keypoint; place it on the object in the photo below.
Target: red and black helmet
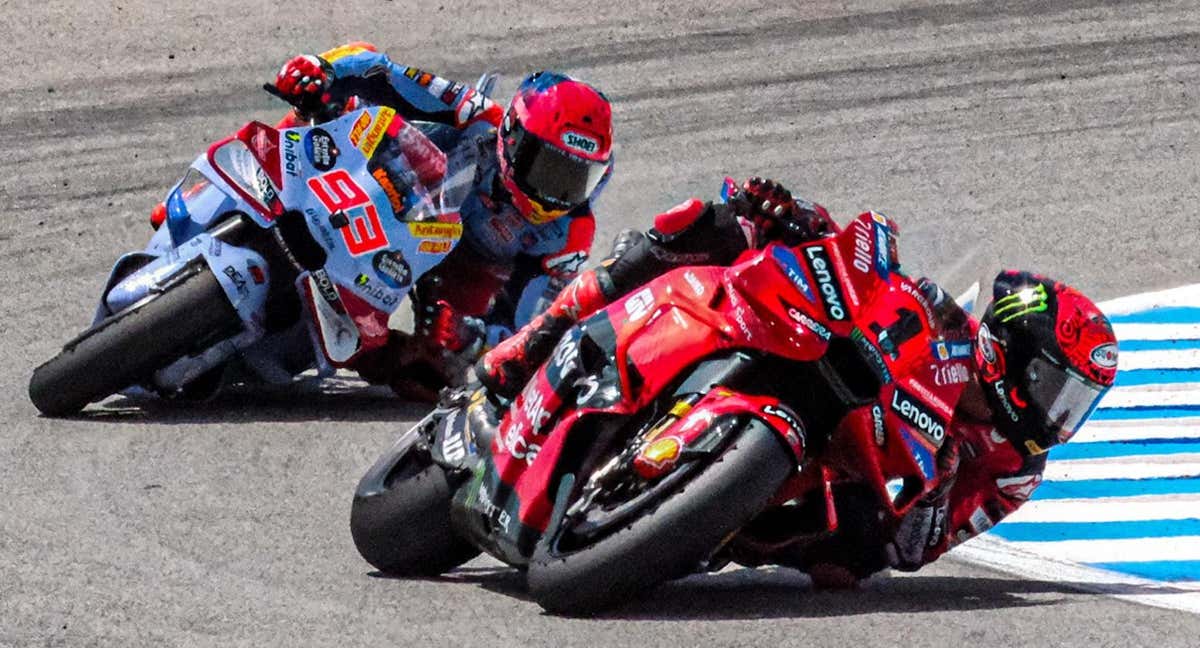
(555, 145)
(1046, 356)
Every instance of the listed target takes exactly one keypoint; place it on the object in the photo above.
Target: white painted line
(1123, 550)
(1159, 359)
(1126, 332)
(1182, 296)
(1123, 468)
(1110, 509)
(1002, 556)
(1138, 429)
(1152, 395)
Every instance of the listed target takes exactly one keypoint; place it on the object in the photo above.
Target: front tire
(404, 528)
(130, 346)
(668, 539)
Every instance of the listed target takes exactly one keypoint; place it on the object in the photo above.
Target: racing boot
(506, 368)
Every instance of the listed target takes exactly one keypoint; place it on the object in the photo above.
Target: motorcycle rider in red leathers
(527, 226)
(1035, 367)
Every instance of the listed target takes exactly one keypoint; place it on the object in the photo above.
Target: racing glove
(449, 329)
(779, 216)
(922, 533)
(304, 82)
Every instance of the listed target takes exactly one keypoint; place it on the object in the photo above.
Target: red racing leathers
(981, 479)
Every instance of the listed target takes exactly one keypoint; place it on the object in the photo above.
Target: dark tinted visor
(1067, 398)
(548, 174)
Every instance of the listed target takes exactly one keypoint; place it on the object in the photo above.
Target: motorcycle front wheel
(669, 536)
(400, 517)
(128, 347)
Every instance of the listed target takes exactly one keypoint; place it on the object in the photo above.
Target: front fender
(242, 274)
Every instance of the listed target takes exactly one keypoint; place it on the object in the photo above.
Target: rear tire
(128, 347)
(669, 539)
(404, 529)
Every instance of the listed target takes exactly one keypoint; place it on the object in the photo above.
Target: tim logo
(580, 142)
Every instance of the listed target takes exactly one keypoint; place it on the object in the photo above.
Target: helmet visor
(548, 174)
(1067, 398)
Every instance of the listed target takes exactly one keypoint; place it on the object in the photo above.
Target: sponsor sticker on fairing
(912, 410)
(947, 350)
(436, 230)
(320, 149)
(791, 267)
(375, 135)
(392, 268)
(821, 267)
(291, 156)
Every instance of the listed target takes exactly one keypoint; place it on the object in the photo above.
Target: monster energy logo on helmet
(1023, 302)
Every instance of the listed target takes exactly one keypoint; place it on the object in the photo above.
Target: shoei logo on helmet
(1105, 356)
(580, 142)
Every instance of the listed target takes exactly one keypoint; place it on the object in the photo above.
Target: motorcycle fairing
(860, 307)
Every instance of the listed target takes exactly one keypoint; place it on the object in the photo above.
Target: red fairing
(788, 302)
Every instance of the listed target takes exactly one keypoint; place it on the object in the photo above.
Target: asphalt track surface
(1059, 136)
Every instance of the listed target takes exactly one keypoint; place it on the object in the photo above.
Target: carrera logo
(1105, 356)
(580, 142)
(821, 268)
(807, 322)
(877, 425)
(915, 412)
(436, 230)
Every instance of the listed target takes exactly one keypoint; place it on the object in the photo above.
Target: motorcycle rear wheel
(130, 346)
(669, 537)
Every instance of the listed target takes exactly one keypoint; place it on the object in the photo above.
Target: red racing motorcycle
(666, 424)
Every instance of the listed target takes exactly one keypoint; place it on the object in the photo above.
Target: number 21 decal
(339, 192)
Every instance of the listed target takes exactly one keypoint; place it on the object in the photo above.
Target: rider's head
(1046, 355)
(555, 145)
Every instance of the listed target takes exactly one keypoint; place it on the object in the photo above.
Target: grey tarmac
(1057, 136)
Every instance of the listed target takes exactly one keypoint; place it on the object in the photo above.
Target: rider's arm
(361, 70)
(535, 284)
(989, 484)
(694, 233)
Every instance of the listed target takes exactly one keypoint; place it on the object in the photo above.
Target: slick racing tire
(404, 529)
(130, 346)
(670, 537)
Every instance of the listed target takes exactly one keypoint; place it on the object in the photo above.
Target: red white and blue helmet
(555, 145)
(1046, 355)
